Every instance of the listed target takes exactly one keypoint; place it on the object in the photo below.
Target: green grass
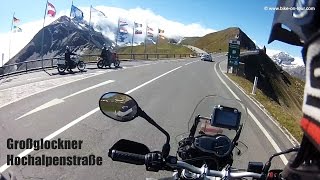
(219, 41)
(281, 113)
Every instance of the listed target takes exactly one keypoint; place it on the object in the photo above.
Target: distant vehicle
(206, 57)
(192, 56)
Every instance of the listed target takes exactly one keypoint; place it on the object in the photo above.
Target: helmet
(296, 22)
(300, 20)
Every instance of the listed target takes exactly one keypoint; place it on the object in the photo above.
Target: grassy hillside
(280, 93)
(219, 41)
(163, 48)
(189, 40)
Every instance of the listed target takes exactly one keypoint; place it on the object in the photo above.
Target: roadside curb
(261, 107)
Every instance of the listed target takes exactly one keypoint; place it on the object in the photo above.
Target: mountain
(219, 41)
(294, 66)
(277, 84)
(57, 35)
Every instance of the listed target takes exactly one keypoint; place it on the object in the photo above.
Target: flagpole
(157, 41)
(117, 34)
(44, 20)
(134, 25)
(145, 41)
(90, 26)
(11, 34)
(71, 7)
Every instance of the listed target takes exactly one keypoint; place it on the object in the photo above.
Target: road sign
(234, 53)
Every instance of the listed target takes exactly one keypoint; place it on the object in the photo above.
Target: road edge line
(264, 131)
(289, 136)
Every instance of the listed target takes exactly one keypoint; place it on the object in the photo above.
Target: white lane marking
(138, 87)
(89, 88)
(58, 101)
(191, 62)
(46, 89)
(223, 82)
(74, 122)
(264, 131)
(293, 141)
(54, 134)
(42, 107)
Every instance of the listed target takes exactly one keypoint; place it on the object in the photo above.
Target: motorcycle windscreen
(206, 108)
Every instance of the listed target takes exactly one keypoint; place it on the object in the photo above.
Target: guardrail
(38, 64)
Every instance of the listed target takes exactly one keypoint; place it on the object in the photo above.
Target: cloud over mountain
(172, 29)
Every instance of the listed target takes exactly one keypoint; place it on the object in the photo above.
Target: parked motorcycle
(75, 63)
(114, 60)
(205, 151)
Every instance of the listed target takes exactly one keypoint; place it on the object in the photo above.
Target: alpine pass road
(167, 90)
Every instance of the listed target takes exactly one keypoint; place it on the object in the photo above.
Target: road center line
(58, 101)
(89, 88)
(190, 63)
(264, 131)
(74, 122)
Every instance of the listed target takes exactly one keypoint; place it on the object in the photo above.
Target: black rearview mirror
(118, 106)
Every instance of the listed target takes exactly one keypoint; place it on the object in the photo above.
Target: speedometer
(218, 145)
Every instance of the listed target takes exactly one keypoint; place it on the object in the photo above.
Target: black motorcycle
(113, 60)
(206, 151)
(75, 63)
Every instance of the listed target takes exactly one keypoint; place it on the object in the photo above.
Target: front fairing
(212, 149)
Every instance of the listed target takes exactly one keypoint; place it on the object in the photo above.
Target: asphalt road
(167, 90)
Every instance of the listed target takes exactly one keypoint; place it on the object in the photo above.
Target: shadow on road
(69, 72)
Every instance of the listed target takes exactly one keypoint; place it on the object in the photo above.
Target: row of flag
(123, 33)
(76, 13)
(50, 11)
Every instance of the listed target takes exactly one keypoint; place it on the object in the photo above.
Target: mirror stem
(166, 146)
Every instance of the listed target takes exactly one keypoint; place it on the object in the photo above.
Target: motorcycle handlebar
(126, 157)
(139, 159)
(223, 173)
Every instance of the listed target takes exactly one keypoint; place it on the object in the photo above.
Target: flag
(122, 37)
(150, 40)
(16, 29)
(138, 31)
(137, 25)
(51, 10)
(161, 31)
(122, 23)
(123, 30)
(149, 28)
(99, 13)
(76, 13)
(16, 20)
(150, 34)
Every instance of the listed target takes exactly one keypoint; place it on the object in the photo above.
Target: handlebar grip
(126, 157)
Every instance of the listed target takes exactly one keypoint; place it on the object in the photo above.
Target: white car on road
(206, 57)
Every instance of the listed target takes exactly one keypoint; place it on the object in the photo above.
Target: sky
(185, 17)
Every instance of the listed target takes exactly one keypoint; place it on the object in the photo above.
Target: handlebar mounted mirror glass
(118, 106)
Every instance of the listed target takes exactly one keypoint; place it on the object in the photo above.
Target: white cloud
(140, 15)
(271, 52)
(298, 61)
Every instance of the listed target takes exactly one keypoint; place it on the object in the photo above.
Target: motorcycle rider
(67, 55)
(304, 31)
(105, 54)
